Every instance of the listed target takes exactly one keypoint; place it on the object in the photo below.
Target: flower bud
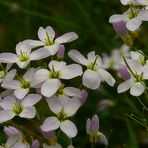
(11, 131)
(83, 96)
(35, 144)
(124, 72)
(61, 51)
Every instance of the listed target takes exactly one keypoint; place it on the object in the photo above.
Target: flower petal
(13, 84)
(54, 104)
(69, 128)
(137, 89)
(50, 124)
(7, 103)
(29, 74)
(71, 91)
(8, 58)
(133, 24)
(34, 43)
(31, 100)
(103, 138)
(50, 87)
(39, 54)
(40, 76)
(71, 106)
(77, 57)
(52, 49)
(71, 71)
(21, 93)
(10, 75)
(23, 47)
(107, 77)
(91, 79)
(143, 15)
(57, 65)
(124, 86)
(116, 18)
(22, 65)
(67, 37)
(28, 112)
(5, 115)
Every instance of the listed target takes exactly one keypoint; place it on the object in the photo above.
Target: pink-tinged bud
(83, 96)
(120, 28)
(11, 131)
(61, 51)
(92, 125)
(105, 104)
(35, 144)
(124, 72)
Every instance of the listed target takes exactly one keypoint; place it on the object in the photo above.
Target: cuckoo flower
(95, 72)
(133, 17)
(63, 110)
(22, 85)
(23, 55)
(13, 107)
(51, 78)
(136, 82)
(15, 139)
(92, 129)
(47, 40)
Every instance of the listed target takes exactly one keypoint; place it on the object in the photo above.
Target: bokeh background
(20, 19)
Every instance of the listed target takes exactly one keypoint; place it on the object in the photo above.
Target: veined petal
(39, 54)
(13, 84)
(50, 124)
(91, 79)
(106, 76)
(23, 47)
(133, 24)
(50, 31)
(8, 58)
(29, 74)
(21, 93)
(28, 112)
(124, 86)
(143, 15)
(116, 18)
(71, 91)
(52, 49)
(40, 76)
(54, 104)
(7, 103)
(57, 65)
(22, 65)
(34, 43)
(5, 115)
(77, 57)
(10, 75)
(67, 37)
(137, 89)
(71, 71)
(71, 106)
(50, 87)
(31, 100)
(69, 128)
(21, 145)
(11, 140)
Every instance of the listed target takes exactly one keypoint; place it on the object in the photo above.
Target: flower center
(17, 108)
(61, 115)
(2, 74)
(54, 74)
(138, 77)
(23, 56)
(49, 40)
(93, 65)
(24, 83)
(60, 90)
(133, 12)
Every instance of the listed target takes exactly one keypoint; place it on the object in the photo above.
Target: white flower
(15, 139)
(24, 108)
(136, 82)
(23, 55)
(47, 40)
(51, 79)
(133, 18)
(94, 73)
(21, 87)
(63, 110)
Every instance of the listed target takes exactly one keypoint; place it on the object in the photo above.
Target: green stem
(144, 107)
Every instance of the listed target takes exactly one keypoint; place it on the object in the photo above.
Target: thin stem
(142, 103)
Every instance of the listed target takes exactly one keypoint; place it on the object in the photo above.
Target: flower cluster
(48, 82)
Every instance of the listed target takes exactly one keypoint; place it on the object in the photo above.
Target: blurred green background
(20, 19)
